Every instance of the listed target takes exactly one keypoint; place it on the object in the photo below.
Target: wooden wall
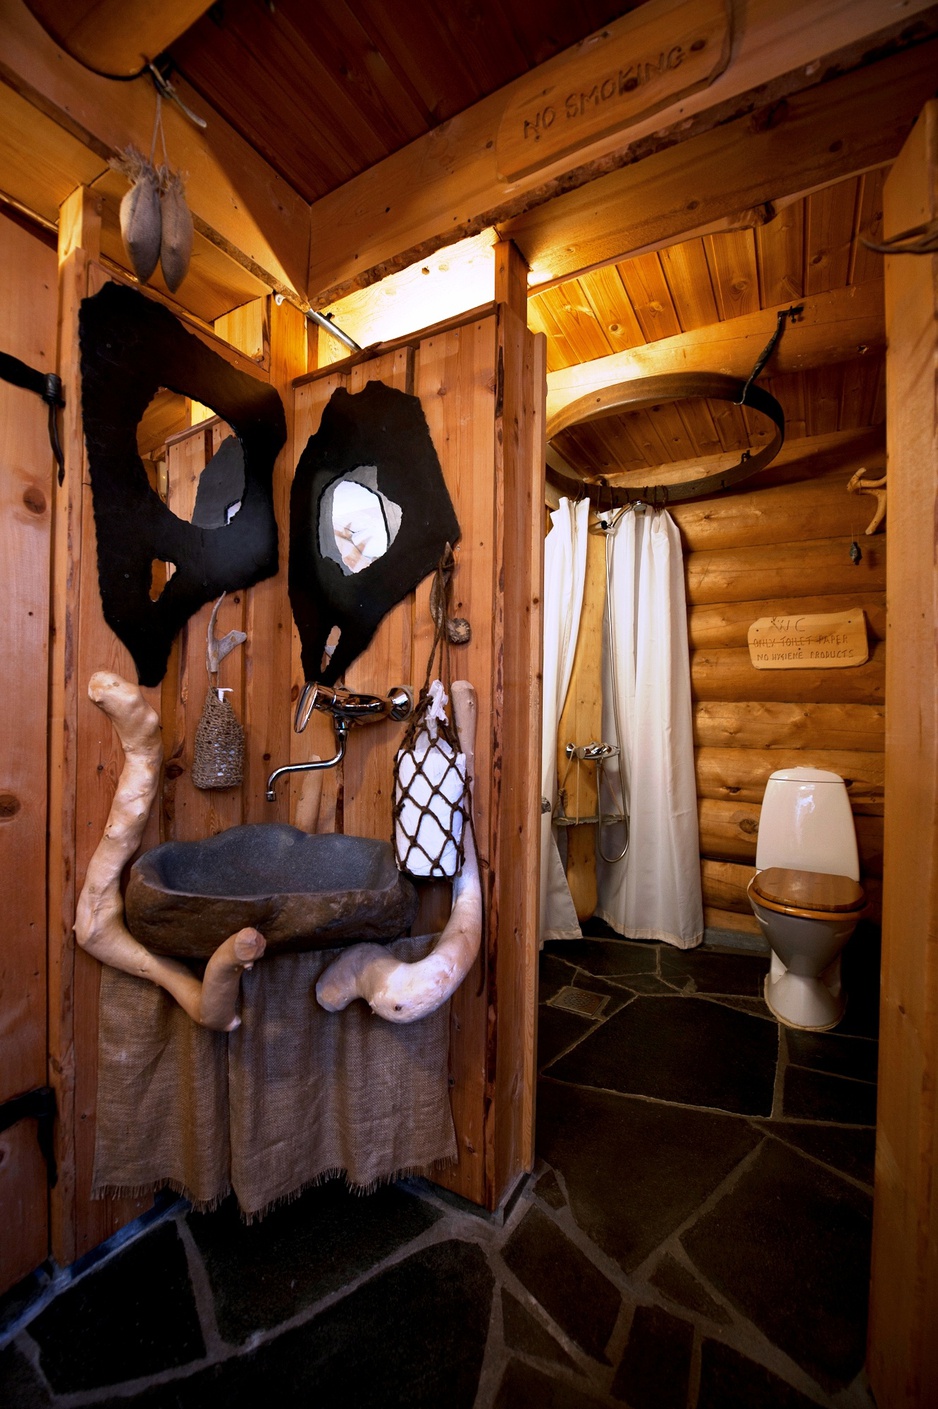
(28, 305)
(779, 548)
(480, 383)
(85, 758)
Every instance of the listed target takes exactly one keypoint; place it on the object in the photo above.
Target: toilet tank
(806, 824)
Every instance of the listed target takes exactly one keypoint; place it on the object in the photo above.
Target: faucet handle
(305, 706)
(402, 702)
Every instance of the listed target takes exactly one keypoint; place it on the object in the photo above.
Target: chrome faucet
(346, 708)
(353, 708)
(592, 753)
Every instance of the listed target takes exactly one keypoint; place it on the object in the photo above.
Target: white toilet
(805, 893)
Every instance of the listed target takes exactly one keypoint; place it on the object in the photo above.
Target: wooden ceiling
(309, 102)
(811, 247)
(325, 90)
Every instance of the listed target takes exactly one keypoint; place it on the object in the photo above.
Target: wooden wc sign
(809, 642)
(636, 65)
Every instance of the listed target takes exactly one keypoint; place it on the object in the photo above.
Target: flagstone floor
(695, 1235)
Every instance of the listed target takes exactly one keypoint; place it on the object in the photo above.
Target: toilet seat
(806, 894)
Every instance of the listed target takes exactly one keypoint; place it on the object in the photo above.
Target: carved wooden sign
(809, 642)
(636, 65)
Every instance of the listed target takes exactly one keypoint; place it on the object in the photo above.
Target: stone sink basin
(301, 891)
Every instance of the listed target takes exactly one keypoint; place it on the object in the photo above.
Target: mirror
(357, 523)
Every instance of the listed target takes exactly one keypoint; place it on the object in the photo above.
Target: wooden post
(582, 723)
(903, 1349)
(511, 278)
(267, 707)
(28, 310)
(519, 475)
(79, 239)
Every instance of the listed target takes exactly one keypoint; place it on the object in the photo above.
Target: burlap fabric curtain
(294, 1096)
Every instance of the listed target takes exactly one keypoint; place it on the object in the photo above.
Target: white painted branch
(402, 992)
(99, 918)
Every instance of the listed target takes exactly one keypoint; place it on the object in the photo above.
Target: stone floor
(695, 1236)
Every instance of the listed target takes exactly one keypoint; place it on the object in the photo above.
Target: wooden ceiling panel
(811, 246)
(581, 334)
(780, 250)
(266, 72)
(867, 264)
(734, 272)
(605, 293)
(823, 400)
(699, 425)
(650, 296)
(688, 274)
(830, 227)
(672, 431)
(326, 90)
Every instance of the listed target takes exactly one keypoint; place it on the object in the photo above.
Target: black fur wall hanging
(375, 443)
(130, 348)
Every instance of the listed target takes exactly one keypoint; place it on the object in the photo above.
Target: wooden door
(28, 314)
(903, 1358)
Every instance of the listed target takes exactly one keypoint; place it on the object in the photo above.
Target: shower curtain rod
(672, 386)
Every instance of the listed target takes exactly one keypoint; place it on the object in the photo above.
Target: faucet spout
(341, 735)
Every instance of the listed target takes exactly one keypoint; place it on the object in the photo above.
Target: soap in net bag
(429, 794)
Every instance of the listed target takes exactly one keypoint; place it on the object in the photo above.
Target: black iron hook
(794, 313)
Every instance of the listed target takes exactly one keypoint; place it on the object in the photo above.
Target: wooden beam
(446, 284)
(511, 278)
(237, 200)
(116, 37)
(445, 185)
(903, 1348)
(783, 147)
(834, 327)
(29, 311)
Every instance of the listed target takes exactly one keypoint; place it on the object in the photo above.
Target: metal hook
(794, 313)
(166, 90)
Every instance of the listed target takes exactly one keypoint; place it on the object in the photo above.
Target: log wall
(779, 548)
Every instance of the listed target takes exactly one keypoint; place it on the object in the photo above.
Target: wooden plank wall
(85, 757)
(478, 383)
(780, 548)
(28, 308)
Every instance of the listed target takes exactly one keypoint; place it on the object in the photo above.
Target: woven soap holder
(219, 745)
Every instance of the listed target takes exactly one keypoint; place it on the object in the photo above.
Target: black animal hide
(385, 429)
(130, 347)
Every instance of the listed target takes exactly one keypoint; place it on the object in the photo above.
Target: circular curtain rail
(651, 391)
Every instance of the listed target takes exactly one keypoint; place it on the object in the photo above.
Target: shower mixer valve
(592, 753)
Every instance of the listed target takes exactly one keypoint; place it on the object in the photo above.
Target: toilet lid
(806, 890)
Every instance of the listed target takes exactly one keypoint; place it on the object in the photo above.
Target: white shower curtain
(654, 891)
(564, 578)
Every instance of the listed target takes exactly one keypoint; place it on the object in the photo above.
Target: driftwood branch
(99, 919)
(217, 647)
(877, 487)
(402, 992)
